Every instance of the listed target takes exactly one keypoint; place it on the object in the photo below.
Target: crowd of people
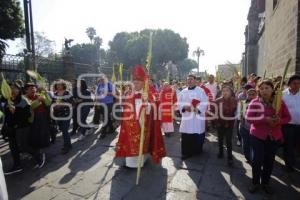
(35, 115)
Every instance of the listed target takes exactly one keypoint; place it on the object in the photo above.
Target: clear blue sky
(217, 26)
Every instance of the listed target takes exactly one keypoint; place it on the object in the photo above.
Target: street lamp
(29, 34)
(198, 53)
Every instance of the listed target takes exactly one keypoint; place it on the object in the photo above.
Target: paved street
(91, 172)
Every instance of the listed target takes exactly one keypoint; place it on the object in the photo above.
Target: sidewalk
(91, 172)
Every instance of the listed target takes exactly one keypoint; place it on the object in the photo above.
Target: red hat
(139, 73)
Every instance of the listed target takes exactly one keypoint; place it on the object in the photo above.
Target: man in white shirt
(213, 90)
(212, 86)
(291, 97)
(192, 104)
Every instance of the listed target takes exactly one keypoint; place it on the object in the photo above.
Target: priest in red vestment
(168, 102)
(130, 132)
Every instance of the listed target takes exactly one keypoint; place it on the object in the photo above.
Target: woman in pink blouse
(266, 134)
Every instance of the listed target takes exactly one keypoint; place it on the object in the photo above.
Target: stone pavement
(91, 172)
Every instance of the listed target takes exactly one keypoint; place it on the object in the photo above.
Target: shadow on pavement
(60, 171)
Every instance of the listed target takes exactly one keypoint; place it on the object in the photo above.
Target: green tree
(11, 20)
(131, 48)
(84, 53)
(186, 66)
(91, 32)
(118, 48)
(169, 46)
(137, 48)
(98, 41)
(87, 53)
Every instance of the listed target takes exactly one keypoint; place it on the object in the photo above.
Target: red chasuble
(129, 138)
(168, 100)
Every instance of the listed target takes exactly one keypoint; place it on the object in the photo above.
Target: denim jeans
(263, 159)
(109, 126)
(64, 128)
(238, 133)
(227, 133)
(74, 118)
(245, 133)
(291, 136)
(84, 113)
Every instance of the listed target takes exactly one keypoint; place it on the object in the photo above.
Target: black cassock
(191, 144)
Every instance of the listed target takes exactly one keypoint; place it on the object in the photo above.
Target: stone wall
(251, 35)
(298, 43)
(262, 55)
(279, 40)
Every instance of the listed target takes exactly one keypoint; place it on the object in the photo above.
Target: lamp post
(198, 53)
(30, 48)
(32, 37)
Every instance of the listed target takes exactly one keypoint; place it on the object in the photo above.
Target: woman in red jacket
(226, 107)
(266, 135)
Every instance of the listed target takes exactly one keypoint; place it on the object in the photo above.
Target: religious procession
(115, 100)
(265, 111)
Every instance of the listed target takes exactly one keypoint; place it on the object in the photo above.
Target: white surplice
(193, 122)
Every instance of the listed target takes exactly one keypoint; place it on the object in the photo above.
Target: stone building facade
(272, 37)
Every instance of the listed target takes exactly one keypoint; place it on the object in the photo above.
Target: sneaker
(81, 137)
(253, 188)
(267, 189)
(14, 170)
(238, 143)
(42, 162)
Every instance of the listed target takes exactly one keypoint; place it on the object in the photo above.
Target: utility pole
(27, 26)
(32, 36)
(29, 35)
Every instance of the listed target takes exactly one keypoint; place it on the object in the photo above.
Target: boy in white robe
(193, 104)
